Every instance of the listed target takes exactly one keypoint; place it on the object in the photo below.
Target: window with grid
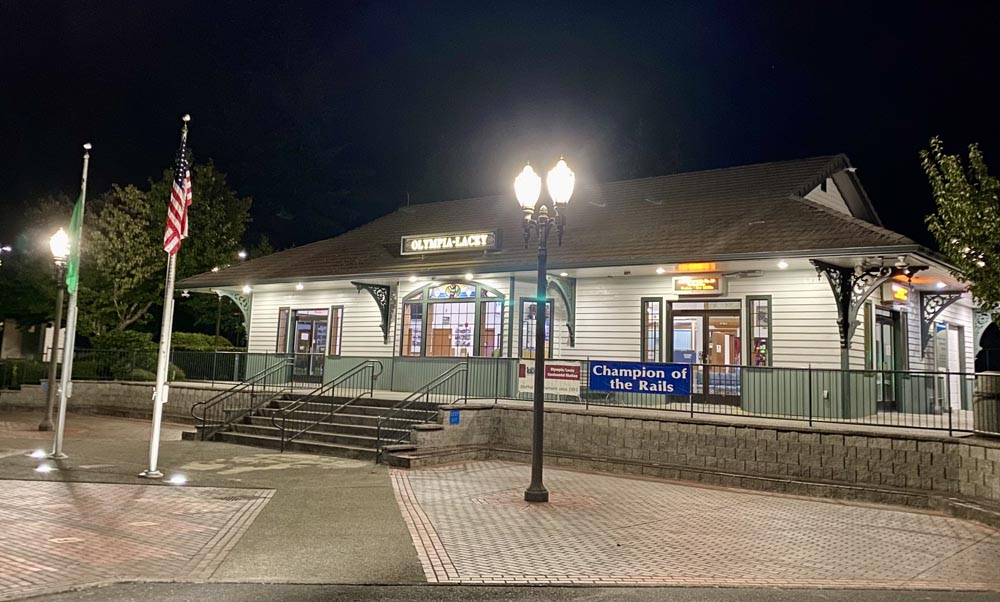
(529, 319)
(759, 323)
(413, 328)
(652, 349)
(491, 329)
(450, 329)
(336, 330)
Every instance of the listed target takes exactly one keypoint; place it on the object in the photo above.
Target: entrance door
(707, 335)
(309, 328)
(885, 360)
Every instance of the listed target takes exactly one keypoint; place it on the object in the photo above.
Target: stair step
(354, 409)
(306, 446)
(371, 401)
(333, 426)
(360, 441)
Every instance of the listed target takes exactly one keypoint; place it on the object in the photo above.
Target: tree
(966, 224)
(124, 263)
(27, 278)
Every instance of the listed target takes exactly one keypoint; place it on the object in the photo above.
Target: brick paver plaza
(470, 525)
(55, 535)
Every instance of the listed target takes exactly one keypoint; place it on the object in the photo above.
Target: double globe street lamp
(537, 220)
(59, 245)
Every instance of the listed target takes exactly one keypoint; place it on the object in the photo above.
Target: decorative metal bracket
(931, 306)
(851, 286)
(385, 298)
(981, 322)
(566, 287)
(242, 301)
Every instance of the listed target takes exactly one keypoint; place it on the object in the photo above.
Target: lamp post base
(151, 474)
(59, 456)
(536, 495)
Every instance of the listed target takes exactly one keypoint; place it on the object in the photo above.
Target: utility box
(986, 404)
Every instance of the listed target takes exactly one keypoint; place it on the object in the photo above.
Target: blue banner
(637, 377)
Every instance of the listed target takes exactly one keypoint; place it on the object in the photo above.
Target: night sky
(331, 113)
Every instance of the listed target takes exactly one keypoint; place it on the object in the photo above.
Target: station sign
(639, 377)
(422, 244)
(699, 285)
(561, 378)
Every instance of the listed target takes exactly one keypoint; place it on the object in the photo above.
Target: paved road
(471, 525)
(328, 593)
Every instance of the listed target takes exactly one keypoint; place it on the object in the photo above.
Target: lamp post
(59, 244)
(528, 187)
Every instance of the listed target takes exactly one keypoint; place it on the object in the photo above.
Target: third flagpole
(161, 392)
(69, 347)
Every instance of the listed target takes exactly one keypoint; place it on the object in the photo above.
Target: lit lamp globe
(527, 187)
(560, 182)
(59, 244)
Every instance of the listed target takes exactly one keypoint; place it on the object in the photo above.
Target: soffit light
(782, 265)
(527, 187)
(560, 181)
(413, 278)
(660, 270)
(563, 274)
(940, 284)
(299, 287)
(470, 276)
(246, 289)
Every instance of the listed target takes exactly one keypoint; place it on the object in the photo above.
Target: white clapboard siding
(831, 197)
(361, 336)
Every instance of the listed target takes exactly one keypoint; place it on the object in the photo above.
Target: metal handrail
(252, 383)
(415, 397)
(376, 370)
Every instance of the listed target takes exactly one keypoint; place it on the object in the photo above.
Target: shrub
(124, 340)
(140, 374)
(197, 341)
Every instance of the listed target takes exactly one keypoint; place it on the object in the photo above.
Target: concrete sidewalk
(329, 520)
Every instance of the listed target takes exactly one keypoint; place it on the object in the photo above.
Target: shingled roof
(717, 214)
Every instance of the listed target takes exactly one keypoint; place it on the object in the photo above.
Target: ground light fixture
(560, 182)
(782, 265)
(38, 454)
(177, 479)
(44, 468)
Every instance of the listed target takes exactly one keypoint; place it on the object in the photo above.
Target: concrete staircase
(352, 432)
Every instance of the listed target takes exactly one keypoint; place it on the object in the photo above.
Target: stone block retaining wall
(874, 466)
(118, 398)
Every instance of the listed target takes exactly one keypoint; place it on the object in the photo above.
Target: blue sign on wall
(453, 417)
(637, 377)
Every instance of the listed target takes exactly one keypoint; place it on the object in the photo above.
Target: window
(529, 318)
(457, 319)
(413, 320)
(759, 325)
(281, 346)
(449, 329)
(491, 328)
(652, 330)
(336, 330)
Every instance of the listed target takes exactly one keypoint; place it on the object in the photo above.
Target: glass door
(708, 336)
(309, 327)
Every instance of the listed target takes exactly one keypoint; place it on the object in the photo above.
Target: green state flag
(75, 230)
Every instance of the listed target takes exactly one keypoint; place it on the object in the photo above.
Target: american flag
(180, 200)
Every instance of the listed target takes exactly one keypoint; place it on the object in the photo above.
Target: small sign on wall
(561, 378)
(453, 417)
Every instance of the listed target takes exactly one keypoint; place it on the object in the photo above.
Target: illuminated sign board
(699, 285)
(696, 267)
(449, 243)
(896, 293)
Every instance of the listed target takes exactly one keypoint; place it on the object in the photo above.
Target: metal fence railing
(956, 402)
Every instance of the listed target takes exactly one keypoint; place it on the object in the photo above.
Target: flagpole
(161, 392)
(69, 346)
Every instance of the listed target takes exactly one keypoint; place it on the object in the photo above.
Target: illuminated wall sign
(699, 285)
(696, 267)
(448, 243)
(895, 293)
